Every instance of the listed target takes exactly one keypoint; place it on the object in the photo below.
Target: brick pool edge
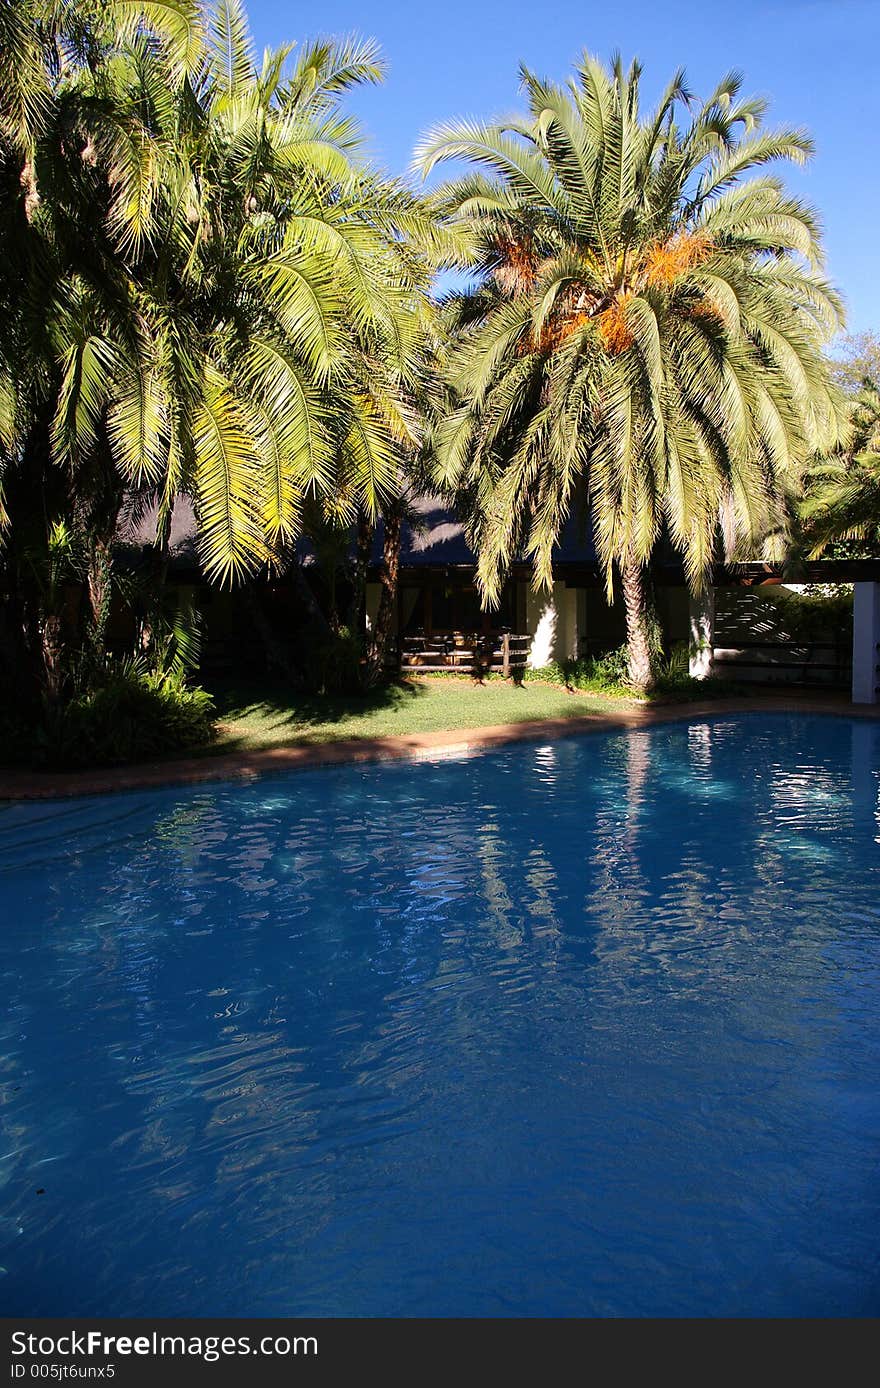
(231, 766)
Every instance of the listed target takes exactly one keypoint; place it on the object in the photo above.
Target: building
(742, 627)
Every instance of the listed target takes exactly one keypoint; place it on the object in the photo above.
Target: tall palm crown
(242, 318)
(60, 262)
(41, 39)
(647, 315)
(285, 309)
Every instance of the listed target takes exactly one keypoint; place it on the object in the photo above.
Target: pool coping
(234, 766)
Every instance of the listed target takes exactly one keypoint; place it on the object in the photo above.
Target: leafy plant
(609, 674)
(135, 714)
(814, 613)
(170, 633)
(205, 291)
(840, 514)
(601, 674)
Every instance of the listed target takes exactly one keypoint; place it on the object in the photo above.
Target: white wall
(554, 620)
(702, 634)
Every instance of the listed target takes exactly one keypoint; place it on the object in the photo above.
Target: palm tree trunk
(389, 576)
(35, 492)
(98, 515)
(98, 587)
(28, 181)
(53, 651)
(638, 639)
(363, 545)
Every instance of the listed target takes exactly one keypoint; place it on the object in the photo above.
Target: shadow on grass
(256, 716)
(274, 711)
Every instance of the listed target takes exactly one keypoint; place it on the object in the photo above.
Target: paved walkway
(44, 785)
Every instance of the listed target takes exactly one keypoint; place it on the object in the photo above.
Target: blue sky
(814, 60)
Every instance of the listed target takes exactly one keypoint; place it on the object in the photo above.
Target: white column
(866, 638)
(567, 635)
(553, 622)
(542, 622)
(702, 633)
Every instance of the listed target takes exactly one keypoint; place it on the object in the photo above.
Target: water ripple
(584, 1028)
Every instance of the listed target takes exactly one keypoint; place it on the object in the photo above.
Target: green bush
(132, 715)
(608, 674)
(684, 687)
(16, 736)
(814, 613)
(604, 674)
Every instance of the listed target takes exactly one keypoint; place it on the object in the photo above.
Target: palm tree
(228, 303)
(644, 320)
(842, 502)
(41, 40)
(279, 304)
(59, 273)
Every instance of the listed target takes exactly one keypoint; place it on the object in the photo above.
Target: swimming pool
(587, 1028)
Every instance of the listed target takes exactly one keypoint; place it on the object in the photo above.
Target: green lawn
(272, 715)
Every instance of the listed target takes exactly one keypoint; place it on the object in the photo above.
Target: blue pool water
(577, 1029)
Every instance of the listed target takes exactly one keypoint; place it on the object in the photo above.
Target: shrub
(133, 714)
(608, 674)
(682, 687)
(814, 613)
(604, 674)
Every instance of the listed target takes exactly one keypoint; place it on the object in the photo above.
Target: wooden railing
(469, 653)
